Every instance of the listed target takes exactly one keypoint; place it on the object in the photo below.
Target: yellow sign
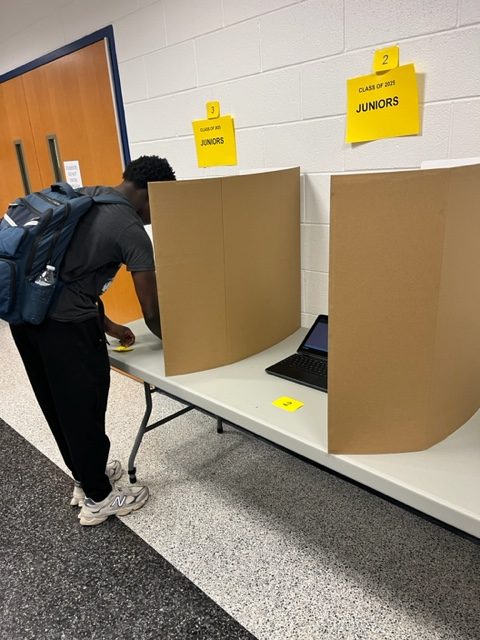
(215, 141)
(288, 404)
(213, 109)
(383, 106)
(385, 59)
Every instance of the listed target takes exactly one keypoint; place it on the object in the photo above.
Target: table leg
(145, 427)
(132, 470)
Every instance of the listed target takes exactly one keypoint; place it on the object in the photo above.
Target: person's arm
(146, 289)
(119, 331)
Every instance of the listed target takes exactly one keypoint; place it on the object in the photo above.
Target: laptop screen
(316, 340)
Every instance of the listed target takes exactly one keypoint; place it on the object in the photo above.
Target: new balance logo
(119, 501)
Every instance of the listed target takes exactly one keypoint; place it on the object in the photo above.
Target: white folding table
(442, 482)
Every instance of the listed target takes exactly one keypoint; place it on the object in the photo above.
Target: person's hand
(122, 333)
(126, 336)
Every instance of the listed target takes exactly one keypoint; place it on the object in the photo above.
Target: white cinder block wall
(280, 68)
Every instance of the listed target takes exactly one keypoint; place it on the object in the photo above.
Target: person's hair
(147, 169)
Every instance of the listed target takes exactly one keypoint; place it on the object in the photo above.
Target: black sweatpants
(68, 367)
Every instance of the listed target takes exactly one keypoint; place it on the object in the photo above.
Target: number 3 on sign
(213, 109)
(385, 59)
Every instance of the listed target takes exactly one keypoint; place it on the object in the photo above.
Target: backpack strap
(70, 192)
(65, 188)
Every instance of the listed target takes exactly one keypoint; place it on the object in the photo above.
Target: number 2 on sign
(385, 59)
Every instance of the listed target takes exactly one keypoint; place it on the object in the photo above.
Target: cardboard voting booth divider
(404, 308)
(227, 254)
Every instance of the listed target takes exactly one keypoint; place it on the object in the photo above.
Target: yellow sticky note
(213, 109)
(122, 348)
(383, 106)
(287, 404)
(385, 59)
(215, 142)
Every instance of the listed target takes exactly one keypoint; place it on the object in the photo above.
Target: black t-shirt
(108, 236)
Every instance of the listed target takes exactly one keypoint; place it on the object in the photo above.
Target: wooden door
(71, 99)
(15, 139)
(71, 116)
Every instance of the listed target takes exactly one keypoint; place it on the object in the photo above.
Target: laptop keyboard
(313, 365)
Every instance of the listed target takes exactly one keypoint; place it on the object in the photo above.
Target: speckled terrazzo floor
(287, 550)
(69, 582)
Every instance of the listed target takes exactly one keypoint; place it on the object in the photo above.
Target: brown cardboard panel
(187, 226)
(262, 259)
(227, 254)
(386, 250)
(455, 395)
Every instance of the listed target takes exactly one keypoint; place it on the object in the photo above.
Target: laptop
(309, 366)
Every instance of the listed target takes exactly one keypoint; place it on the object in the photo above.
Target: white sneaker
(114, 472)
(120, 502)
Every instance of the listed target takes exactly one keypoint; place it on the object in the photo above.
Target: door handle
(22, 165)
(53, 150)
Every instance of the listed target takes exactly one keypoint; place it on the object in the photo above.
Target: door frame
(102, 34)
